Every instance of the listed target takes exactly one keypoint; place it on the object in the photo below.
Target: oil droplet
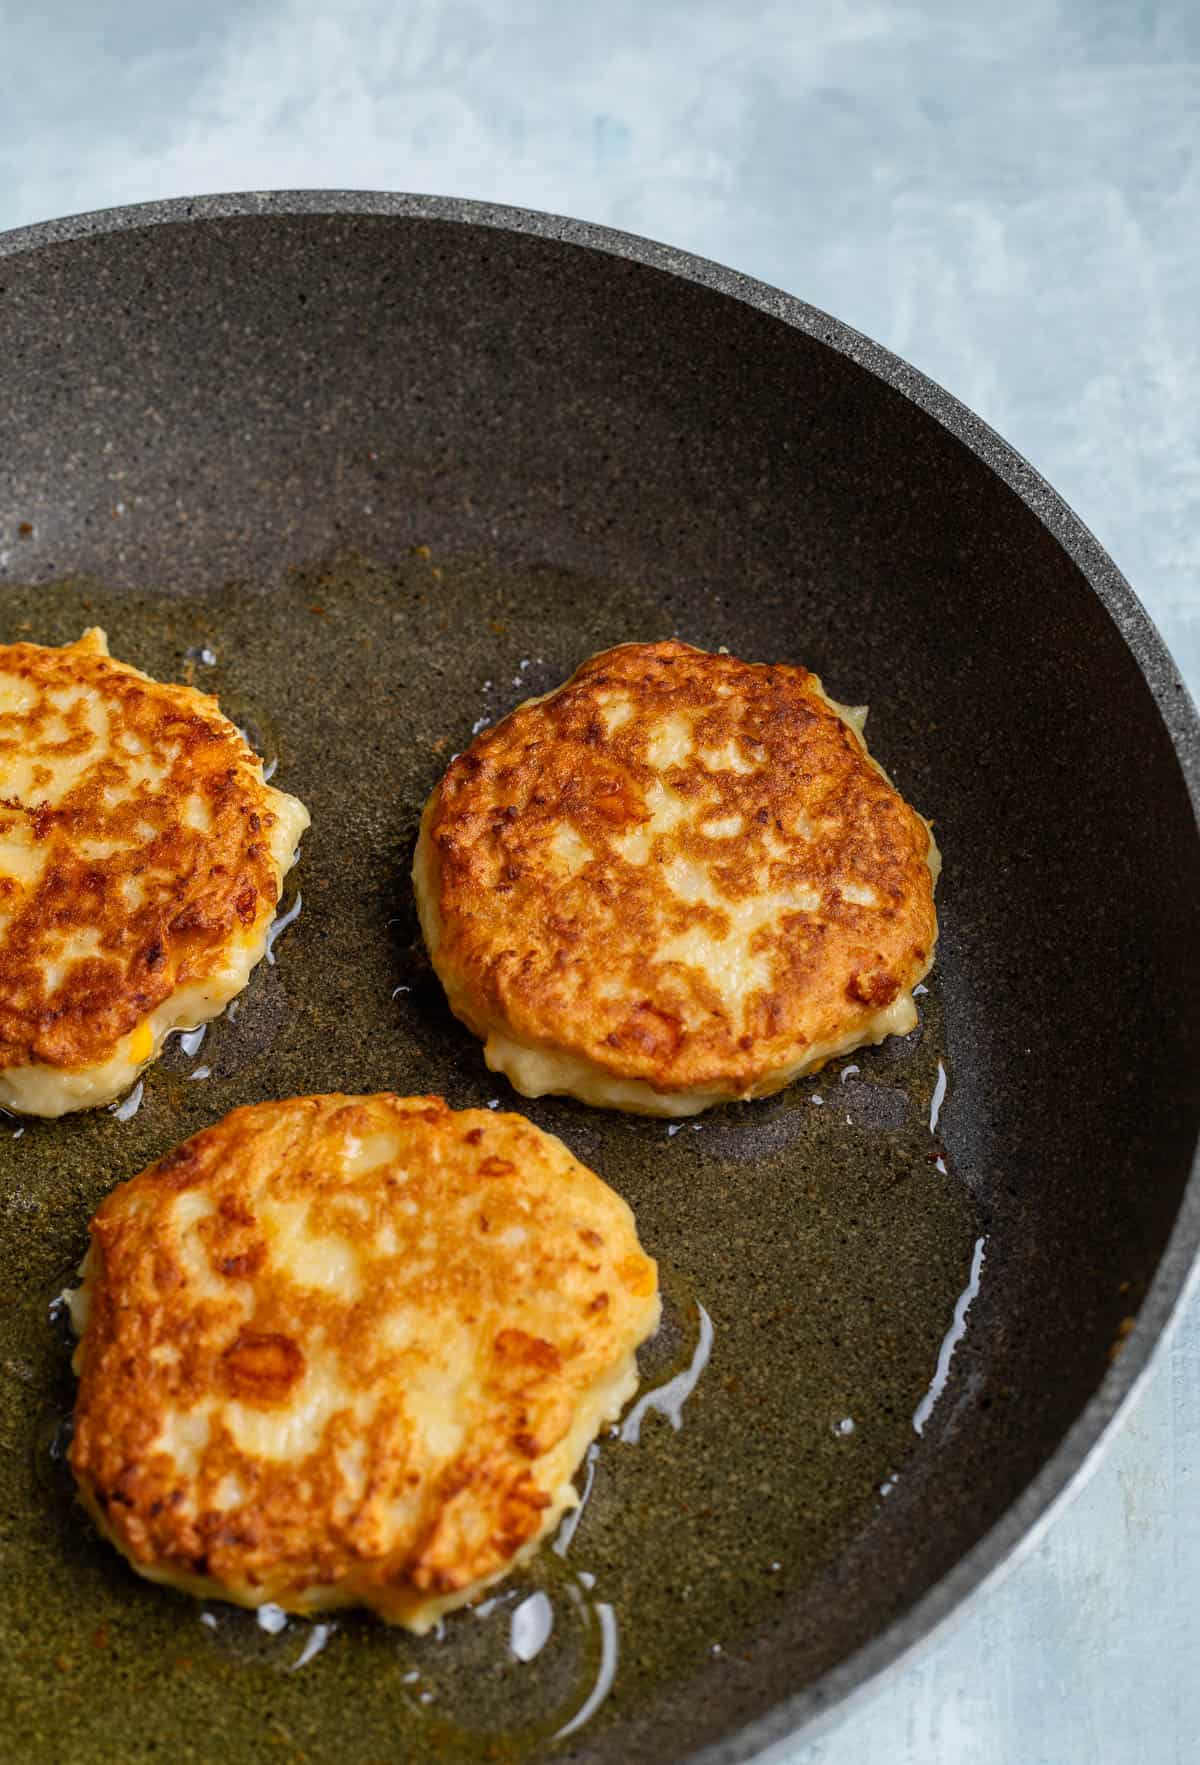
(530, 1626)
(317, 1637)
(203, 654)
(939, 1097)
(571, 1519)
(844, 1427)
(280, 924)
(126, 1110)
(271, 1618)
(52, 1435)
(951, 1340)
(609, 1655)
(670, 1398)
(67, 1312)
(258, 733)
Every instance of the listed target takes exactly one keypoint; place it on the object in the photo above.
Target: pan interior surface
(374, 480)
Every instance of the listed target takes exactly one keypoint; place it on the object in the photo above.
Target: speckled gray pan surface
(373, 469)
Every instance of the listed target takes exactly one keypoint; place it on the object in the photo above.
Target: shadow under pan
(373, 478)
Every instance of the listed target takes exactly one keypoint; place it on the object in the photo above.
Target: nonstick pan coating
(375, 468)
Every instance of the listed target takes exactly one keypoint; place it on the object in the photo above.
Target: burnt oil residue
(813, 1247)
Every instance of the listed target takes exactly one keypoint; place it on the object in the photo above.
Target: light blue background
(1008, 196)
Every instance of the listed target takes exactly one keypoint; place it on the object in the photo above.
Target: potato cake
(141, 860)
(678, 880)
(350, 1350)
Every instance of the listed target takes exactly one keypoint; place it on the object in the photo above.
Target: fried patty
(351, 1350)
(679, 879)
(141, 860)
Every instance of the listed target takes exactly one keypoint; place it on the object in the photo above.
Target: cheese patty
(351, 1350)
(141, 859)
(678, 880)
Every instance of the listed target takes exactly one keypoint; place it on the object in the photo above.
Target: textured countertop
(1009, 198)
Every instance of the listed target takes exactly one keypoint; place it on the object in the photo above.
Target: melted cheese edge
(539, 1072)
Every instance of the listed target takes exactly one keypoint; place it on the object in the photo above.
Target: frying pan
(374, 468)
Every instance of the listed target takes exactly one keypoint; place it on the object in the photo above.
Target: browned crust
(571, 962)
(201, 887)
(544, 1326)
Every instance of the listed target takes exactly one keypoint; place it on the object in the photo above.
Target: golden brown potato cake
(141, 859)
(350, 1350)
(677, 880)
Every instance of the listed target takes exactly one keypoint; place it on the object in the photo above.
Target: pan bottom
(814, 1247)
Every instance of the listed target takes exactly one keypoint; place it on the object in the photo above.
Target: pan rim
(1177, 1278)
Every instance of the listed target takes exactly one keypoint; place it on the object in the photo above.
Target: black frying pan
(371, 452)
